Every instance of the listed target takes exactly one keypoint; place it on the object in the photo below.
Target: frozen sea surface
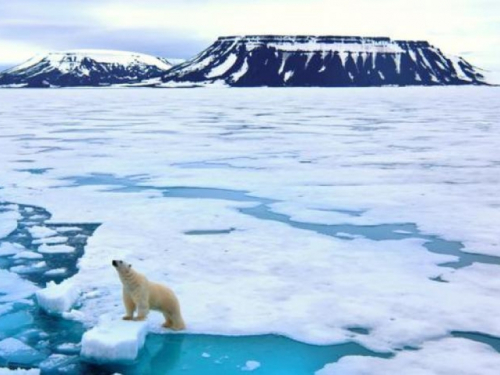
(365, 217)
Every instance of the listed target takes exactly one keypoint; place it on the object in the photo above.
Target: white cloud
(456, 26)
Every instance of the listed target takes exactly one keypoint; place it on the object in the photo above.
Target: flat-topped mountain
(322, 61)
(85, 68)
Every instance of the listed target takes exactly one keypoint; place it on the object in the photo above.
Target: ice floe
(114, 341)
(55, 249)
(58, 298)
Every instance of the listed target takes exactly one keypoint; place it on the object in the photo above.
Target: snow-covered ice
(426, 157)
(114, 341)
(58, 298)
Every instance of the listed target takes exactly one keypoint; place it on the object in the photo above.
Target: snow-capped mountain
(85, 68)
(322, 61)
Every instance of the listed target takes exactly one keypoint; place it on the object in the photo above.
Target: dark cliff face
(85, 68)
(322, 61)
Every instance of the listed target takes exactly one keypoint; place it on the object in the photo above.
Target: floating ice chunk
(55, 249)
(56, 362)
(56, 272)
(50, 240)
(442, 357)
(13, 287)
(8, 248)
(68, 348)
(14, 350)
(58, 298)
(251, 365)
(28, 255)
(41, 232)
(32, 268)
(68, 229)
(6, 371)
(205, 355)
(114, 341)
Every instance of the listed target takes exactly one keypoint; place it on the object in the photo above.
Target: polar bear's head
(121, 266)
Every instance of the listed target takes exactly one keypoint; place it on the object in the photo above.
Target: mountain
(85, 68)
(321, 61)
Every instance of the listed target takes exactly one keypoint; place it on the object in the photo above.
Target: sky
(183, 28)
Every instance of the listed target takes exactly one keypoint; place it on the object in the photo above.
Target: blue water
(217, 355)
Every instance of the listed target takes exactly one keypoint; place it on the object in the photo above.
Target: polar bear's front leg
(142, 308)
(129, 306)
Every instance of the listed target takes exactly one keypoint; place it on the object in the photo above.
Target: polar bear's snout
(120, 265)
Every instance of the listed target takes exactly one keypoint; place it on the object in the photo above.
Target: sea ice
(114, 341)
(426, 157)
(58, 298)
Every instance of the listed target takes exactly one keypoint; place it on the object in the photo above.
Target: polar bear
(141, 294)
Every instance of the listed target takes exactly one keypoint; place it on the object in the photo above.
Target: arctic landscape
(304, 230)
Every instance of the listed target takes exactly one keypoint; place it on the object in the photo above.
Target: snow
(114, 341)
(422, 156)
(58, 298)
(68, 60)
(251, 366)
(455, 60)
(222, 68)
(441, 357)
